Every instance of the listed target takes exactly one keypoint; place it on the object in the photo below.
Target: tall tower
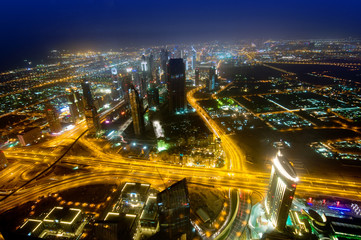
(72, 103)
(52, 117)
(196, 77)
(116, 85)
(91, 115)
(281, 191)
(194, 58)
(212, 79)
(88, 98)
(164, 55)
(153, 97)
(136, 105)
(176, 85)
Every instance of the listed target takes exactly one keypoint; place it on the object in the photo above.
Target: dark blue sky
(29, 28)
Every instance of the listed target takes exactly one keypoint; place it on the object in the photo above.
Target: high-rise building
(196, 77)
(91, 115)
(281, 191)
(144, 64)
(88, 99)
(72, 103)
(164, 55)
(136, 105)
(194, 58)
(174, 211)
(143, 86)
(92, 120)
(116, 85)
(79, 102)
(176, 85)
(53, 118)
(153, 97)
(150, 67)
(212, 79)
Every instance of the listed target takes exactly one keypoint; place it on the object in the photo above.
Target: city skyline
(33, 29)
(217, 120)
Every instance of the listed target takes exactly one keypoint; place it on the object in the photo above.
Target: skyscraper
(153, 97)
(136, 104)
(281, 191)
(174, 211)
(164, 55)
(71, 100)
(88, 99)
(143, 85)
(212, 79)
(176, 85)
(53, 118)
(116, 85)
(194, 58)
(79, 102)
(92, 120)
(91, 115)
(196, 77)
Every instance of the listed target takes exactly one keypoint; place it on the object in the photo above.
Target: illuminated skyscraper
(194, 58)
(136, 104)
(174, 211)
(91, 115)
(281, 191)
(196, 77)
(116, 85)
(176, 85)
(53, 118)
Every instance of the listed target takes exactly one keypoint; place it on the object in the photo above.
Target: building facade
(281, 191)
(176, 85)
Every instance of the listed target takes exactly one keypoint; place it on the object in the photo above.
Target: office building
(176, 85)
(143, 85)
(87, 95)
(79, 102)
(136, 105)
(64, 222)
(194, 58)
(72, 103)
(164, 56)
(281, 191)
(116, 88)
(91, 115)
(29, 136)
(53, 118)
(153, 97)
(92, 120)
(212, 79)
(174, 211)
(196, 77)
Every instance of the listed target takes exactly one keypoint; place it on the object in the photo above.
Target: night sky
(30, 28)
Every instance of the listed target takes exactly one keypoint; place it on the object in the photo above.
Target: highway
(104, 167)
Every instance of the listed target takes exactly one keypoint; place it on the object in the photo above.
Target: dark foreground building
(174, 211)
(176, 85)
